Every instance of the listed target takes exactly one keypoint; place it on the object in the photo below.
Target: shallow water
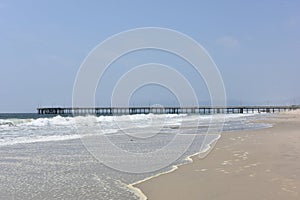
(54, 157)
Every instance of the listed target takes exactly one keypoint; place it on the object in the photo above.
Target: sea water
(47, 157)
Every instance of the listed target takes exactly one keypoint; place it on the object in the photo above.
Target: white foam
(6, 122)
(12, 131)
(139, 119)
(56, 121)
(28, 140)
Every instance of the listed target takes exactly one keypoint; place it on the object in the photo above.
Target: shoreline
(153, 188)
(138, 192)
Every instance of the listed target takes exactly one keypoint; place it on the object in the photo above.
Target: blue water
(65, 157)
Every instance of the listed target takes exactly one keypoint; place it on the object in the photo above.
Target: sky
(255, 45)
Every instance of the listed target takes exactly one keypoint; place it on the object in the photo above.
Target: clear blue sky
(255, 44)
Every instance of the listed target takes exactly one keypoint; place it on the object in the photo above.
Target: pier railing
(164, 110)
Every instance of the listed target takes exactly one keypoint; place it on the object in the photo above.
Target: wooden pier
(164, 110)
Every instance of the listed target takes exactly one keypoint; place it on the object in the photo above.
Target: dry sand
(256, 164)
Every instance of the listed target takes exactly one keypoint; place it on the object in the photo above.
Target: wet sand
(256, 164)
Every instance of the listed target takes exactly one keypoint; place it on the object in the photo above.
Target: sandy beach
(253, 164)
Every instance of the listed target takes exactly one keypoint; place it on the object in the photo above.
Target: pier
(164, 110)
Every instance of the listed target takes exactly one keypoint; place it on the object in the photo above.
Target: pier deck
(164, 110)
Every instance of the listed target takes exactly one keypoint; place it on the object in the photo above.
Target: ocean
(100, 157)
